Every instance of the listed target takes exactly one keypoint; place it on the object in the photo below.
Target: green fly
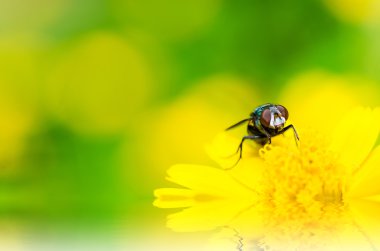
(265, 122)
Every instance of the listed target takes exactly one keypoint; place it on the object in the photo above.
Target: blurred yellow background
(99, 98)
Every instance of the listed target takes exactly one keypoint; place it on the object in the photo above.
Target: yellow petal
(250, 222)
(366, 219)
(223, 150)
(215, 196)
(173, 197)
(366, 181)
(248, 173)
(355, 135)
(375, 198)
(207, 216)
(211, 181)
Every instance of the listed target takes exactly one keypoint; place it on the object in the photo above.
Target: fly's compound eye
(283, 111)
(265, 118)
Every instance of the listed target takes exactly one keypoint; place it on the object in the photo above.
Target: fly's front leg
(240, 148)
(253, 137)
(294, 131)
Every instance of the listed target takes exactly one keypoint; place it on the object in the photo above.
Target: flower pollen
(302, 190)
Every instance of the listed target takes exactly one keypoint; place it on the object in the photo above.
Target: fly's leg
(296, 138)
(240, 148)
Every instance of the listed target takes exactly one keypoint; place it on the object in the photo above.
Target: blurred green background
(99, 98)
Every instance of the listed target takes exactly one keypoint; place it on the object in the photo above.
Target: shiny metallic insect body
(265, 122)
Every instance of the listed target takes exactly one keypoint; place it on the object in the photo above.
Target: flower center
(307, 173)
(302, 188)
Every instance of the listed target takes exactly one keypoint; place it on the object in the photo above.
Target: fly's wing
(237, 124)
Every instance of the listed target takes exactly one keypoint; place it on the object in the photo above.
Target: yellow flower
(320, 195)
